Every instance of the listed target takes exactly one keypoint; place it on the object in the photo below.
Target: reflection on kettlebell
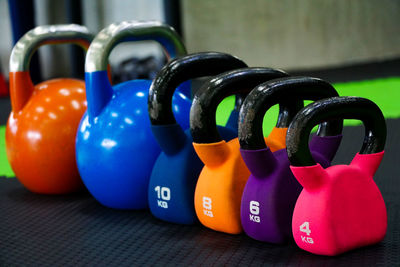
(40, 135)
(271, 191)
(115, 148)
(174, 176)
(340, 207)
(222, 179)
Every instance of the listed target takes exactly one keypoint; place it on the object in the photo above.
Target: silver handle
(46, 34)
(109, 37)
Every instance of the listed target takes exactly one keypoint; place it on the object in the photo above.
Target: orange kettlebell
(221, 182)
(41, 129)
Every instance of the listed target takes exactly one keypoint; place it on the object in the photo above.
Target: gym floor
(77, 230)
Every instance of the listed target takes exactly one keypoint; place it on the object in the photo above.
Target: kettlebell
(40, 134)
(271, 191)
(175, 172)
(340, 207)
(115, 148)
(221, 181)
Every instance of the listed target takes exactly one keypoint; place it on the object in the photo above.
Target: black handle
(264, 96)
(347, 107)
(180, 70)
(202, 113)
(239, 99)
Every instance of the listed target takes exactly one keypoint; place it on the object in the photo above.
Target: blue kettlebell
(175, 172)
(115, 149)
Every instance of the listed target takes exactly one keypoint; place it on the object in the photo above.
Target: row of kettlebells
(230, 178)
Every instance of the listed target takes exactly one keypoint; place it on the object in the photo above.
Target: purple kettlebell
(271, 191)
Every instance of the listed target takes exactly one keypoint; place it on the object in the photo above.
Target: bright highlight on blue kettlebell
(115, 149)
(175, 173)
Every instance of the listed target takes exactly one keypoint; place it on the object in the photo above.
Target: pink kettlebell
(340, 207)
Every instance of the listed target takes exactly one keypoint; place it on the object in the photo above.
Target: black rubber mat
(75, 230)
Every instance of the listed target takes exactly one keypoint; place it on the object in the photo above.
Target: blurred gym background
(354, 44)
(292, 35)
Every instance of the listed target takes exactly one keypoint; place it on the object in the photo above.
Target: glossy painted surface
(41, 129)
(116, 150)
(40, 137)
